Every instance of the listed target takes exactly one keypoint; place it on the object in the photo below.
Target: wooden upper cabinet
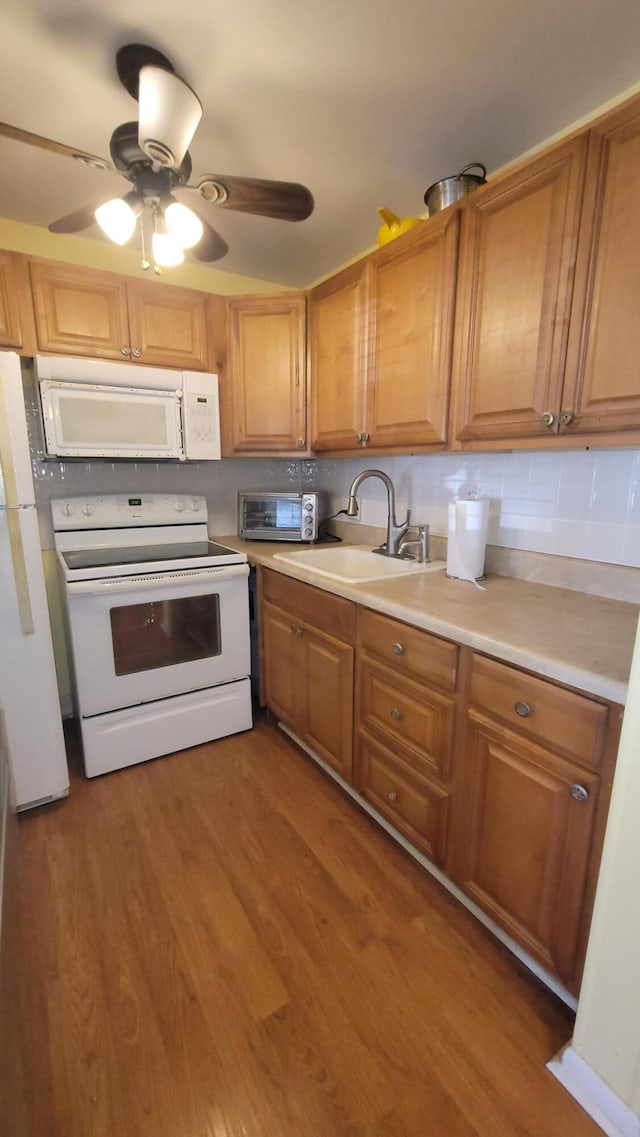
(266, 374)
(411, 311)
(602, 387)
(17, 328)
(337, 338)
(168, 326)
(82, 311)
(517, 255)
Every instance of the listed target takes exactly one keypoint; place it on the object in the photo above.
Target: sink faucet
(394, 531)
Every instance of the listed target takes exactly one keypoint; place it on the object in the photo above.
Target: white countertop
(582, 640)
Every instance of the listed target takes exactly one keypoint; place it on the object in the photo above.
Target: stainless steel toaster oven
(279, 516)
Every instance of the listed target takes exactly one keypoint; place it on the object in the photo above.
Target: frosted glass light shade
(169, 113)
(167, 252)
(117, 220)
(183, 224)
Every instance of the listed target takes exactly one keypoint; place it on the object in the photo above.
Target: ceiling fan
(152, 154)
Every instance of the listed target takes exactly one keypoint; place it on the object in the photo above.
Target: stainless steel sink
(353, 564)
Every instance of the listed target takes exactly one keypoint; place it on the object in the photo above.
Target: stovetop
(203, 552)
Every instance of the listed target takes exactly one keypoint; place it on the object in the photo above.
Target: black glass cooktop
(134, 555)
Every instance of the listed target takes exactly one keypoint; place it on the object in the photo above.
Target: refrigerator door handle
(20, 577)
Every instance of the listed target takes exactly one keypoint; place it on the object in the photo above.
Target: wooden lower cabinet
(501, 778)
(308, 670)
(405, 720)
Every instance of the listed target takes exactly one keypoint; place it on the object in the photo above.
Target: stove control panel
(127, 510)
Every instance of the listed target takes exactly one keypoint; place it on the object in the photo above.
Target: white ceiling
(366, 102)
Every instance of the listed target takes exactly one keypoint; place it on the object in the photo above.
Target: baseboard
(594, 1095)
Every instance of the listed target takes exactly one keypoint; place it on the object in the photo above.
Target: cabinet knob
(579, 792)
(399, 649)
(125, 349)
(136, 353)
(297, 631)
(566, 418)
(522, 709)
(300, 444)
(547, 419)
(364, 437)
(393, 796)
(395, 713)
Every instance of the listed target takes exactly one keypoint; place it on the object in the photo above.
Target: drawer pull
(395, 713)
(579, 792)
(399, 649)
(393, 796)
(522, 709)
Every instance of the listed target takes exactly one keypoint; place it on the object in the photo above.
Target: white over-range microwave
(97, 409)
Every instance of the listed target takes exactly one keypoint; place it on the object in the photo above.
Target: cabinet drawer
(410, 650)
(569, 722)
(416, 808)
(332, 614)
(408, 713)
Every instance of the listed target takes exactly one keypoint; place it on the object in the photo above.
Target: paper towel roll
(467, 538)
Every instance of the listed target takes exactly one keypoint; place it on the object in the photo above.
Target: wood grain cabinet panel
(80, 311)
(168, 326)
(267, 374)
(415, 806)
(337, 352)
(17, 329)
(102, 315)
(602, 386)
(528, 841)
(518, 246)
(411, 310)
(308, 670)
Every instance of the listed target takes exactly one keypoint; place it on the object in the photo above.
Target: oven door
(140, 638)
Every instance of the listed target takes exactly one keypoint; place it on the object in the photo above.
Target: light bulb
(183, 224)
(166, 250)
(117, 219)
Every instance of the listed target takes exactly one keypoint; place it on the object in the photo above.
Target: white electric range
(158, 617)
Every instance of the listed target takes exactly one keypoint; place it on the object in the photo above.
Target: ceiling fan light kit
(153, 155)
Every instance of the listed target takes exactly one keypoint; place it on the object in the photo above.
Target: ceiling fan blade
(18, 135)
(74, 222)
(211, 246)
(286, 201)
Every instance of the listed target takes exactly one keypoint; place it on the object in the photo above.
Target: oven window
(162, 633)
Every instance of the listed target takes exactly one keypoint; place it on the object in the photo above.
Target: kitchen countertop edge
(537, 641)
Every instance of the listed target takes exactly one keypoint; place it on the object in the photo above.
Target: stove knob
(180, 504)
(195, 504)
(87, 509)
(68, 509)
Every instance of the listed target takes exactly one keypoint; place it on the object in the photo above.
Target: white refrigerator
(28, 690)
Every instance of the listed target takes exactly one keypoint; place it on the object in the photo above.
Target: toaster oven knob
(308, 532)
(309, 507)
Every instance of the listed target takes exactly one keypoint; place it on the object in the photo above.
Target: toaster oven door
(270, 517)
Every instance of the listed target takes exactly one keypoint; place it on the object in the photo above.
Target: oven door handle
(161, 581)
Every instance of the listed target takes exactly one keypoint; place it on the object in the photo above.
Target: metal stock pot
(443, 193)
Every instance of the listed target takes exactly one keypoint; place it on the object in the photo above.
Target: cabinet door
(518, 245)
(281, 660)
(337, 334)
(602, 387)
(266, 345)
(527, 841)
(168, 326)
(412, 298)
(80, 311)
(328, 673)
(16, 310)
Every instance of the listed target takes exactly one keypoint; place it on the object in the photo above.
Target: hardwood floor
(220, 944)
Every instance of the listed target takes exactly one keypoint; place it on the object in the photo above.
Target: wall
(33, 241)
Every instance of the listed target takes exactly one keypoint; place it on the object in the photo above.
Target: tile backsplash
(583, 504)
